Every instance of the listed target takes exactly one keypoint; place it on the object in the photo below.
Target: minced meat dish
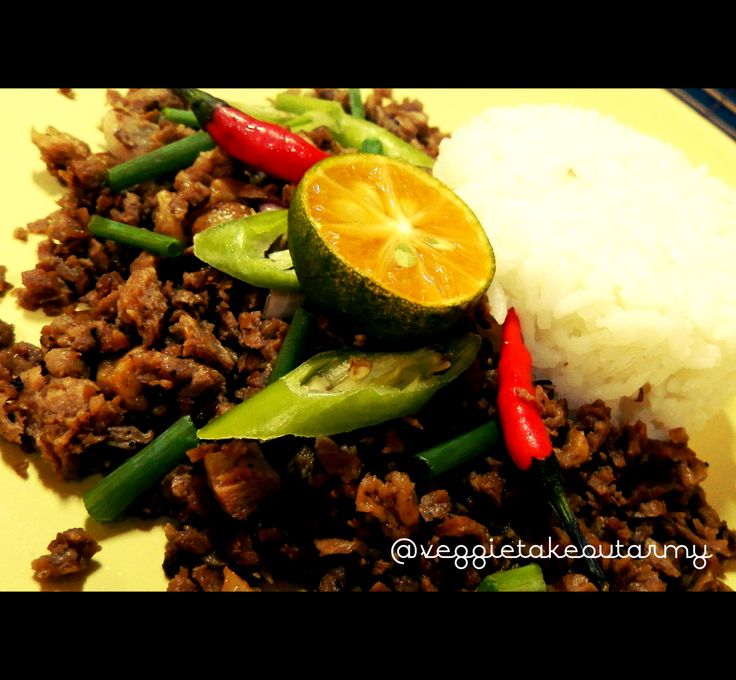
(134, 341)
(69, 553)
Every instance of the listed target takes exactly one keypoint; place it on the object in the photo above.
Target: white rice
(617, 253)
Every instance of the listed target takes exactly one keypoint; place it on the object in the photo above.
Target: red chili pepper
(524, 431)
(265, 146)
(527, 438)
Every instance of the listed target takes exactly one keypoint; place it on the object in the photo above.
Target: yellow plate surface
(33, 510)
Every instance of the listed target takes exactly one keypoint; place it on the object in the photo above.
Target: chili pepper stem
(203, 104)
(548, 473)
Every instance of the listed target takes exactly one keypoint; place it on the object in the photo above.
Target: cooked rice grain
(617, 252)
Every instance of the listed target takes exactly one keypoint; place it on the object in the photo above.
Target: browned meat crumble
(135, 341)
(5, 286)
(69, 553)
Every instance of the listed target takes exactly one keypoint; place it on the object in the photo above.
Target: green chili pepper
(351, 131)
(239, 249)
(526, 579)
(345, 390)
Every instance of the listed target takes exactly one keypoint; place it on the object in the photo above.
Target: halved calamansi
(388, 244)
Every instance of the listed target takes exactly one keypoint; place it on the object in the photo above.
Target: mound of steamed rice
(616, 251)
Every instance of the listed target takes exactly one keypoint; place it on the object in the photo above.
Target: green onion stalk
(114, 494)
(151, 241)
(169, 158)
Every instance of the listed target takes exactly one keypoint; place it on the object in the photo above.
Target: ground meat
(131, 210)
(488, 483)
(208, 579)
(187, 492)
(127, 437)
(193, 183)
(64, 362)
(199, 342)
(342, 461)
(19, 367)
(240, 547)
(44, 289)
(181, 583)
(65, 416)
(20, 233)
(58, 149)
(461, 525)
(83, 333)
(129, 376)
(573, 583)
(339, 546)
(576, 450)
(406, 119)
(69, 553)
(595, 421)
(169, 214)
(143, 100)
(188, 539)
(7, 334)
(265, 335)
(141, 301)
(222, 212)
(232, 583)
(435, 505)
(333, 581)
(393, 503)
(239, 476)
(5, 286)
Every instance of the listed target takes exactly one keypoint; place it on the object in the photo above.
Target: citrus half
(387, 244)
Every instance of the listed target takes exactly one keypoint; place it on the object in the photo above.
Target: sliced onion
(127, 135)
(281, 304)
(267, 207)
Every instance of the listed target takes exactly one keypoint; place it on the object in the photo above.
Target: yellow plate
(33, 510)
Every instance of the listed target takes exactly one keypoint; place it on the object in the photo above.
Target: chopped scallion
(165, 159)
(151, 241)
(291, 351)
(181, 116)
(111, 496)
(372, 145)
(455, 452)
(356, 103)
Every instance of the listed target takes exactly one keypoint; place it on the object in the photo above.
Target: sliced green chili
(153, 242)
(111, 496)
(345, 390)
(526, 579)
(352, 132)
(265, 113)
(356, 103)
(293, 348)
(239, 248)
(455, 452)
(165, 159)
(295, 103)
